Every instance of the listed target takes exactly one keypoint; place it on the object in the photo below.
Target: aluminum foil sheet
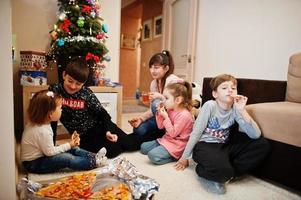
(142, 187)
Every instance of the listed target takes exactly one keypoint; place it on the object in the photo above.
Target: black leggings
(96, 139)
(220, 162)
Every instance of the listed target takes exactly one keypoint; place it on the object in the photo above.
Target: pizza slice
(119, 191)
(72, 187)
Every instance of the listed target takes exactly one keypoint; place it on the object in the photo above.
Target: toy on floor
(196, 98)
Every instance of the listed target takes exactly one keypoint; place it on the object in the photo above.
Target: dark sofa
(283, 165)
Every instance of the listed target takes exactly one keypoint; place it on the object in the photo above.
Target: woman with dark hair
(161, 66)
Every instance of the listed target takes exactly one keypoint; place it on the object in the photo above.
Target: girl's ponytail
(170, 61)
(188, 99)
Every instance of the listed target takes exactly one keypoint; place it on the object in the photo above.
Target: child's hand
(111, 137)
(135, 122)
(240, 102)
(75, 139)
(162, 110)
(74, 135)
(181, 164)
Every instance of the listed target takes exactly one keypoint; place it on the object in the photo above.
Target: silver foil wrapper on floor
(142, 187)
(118, 170)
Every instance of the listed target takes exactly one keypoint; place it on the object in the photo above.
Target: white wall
(7, 152)
(32, 21)
(111, 13)
(249, 38)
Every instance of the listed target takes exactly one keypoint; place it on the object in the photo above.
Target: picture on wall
(128, 41)
(147, 30)
(158, 26)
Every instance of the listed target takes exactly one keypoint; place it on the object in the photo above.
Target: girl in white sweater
(161, 66)
(38, 153)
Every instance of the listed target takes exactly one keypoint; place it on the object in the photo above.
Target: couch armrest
(257, 90)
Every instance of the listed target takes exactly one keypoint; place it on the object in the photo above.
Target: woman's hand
(135, 122)
(181, 164)
(111, 137)
(154, 95)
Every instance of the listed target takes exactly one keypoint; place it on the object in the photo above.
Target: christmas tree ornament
(86, 9)
(71, 2)
(60, 42)
(65, 25)
(90, 56)
(93, 14)
(107, 58)
(53, 35)
(104, 28)
(99, 36)
(81, 22)
(62, 16)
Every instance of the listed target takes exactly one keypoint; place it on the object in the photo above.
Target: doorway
(130, 49)
(180, 24)
(136, 45)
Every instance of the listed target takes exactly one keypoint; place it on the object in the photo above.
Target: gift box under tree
(32, 60)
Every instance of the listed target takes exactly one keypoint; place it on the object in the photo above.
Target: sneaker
(100, 157)
(212, 186)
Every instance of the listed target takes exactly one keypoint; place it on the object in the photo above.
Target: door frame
(191, 45)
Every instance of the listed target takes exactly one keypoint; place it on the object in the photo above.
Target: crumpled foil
(27, 188)
(142, 187)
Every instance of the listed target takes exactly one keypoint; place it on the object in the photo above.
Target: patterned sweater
(82, 111)
(213, 126)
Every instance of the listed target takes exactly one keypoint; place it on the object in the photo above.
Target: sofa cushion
(293, 92)
(280, 121)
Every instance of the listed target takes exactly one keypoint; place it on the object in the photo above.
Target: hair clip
(164, 52)
(50, 94)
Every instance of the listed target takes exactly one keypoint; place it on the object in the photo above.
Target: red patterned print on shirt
(74, 103)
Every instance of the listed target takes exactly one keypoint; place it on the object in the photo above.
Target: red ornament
(65, 25)
(86, 9)
(99, 36)
(92, 56)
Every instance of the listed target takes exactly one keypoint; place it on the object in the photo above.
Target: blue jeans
(149, 125)
(75, 159)
(156, 153)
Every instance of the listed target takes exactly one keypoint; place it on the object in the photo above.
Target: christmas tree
(79, 32)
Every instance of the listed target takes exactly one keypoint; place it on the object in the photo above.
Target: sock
(100, 157)
(212, 186)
